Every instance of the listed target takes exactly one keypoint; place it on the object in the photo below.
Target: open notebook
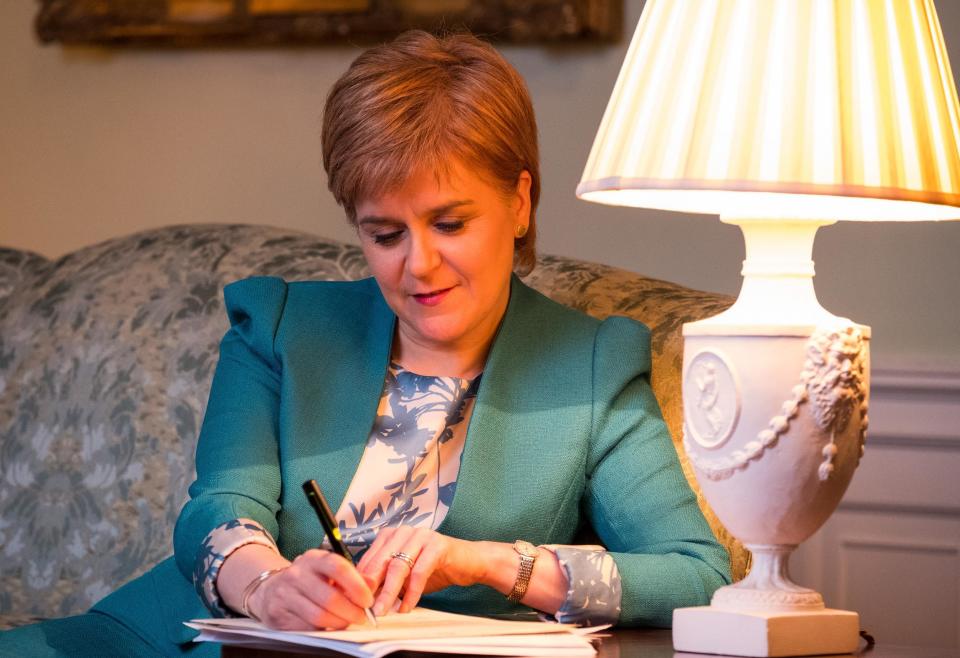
(419, 630)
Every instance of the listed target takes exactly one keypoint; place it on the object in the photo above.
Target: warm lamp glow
(837, 105)
(772, 205)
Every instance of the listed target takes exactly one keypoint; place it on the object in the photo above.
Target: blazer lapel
(524, 451)
(483, 483)
(338, 393)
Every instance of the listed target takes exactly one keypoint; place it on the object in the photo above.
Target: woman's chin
(437, 334)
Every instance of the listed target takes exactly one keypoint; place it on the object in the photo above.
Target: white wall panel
(920, 577)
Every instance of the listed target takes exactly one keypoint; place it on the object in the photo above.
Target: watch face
(525, 548)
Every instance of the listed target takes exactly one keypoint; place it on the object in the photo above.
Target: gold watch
(528, 555)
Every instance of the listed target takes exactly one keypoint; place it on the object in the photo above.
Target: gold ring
(402, 556)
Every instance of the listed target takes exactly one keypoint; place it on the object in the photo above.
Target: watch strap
(523, 575)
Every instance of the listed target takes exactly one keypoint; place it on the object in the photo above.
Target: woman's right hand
(319, 589)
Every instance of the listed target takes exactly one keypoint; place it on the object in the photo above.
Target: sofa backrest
(106, 357)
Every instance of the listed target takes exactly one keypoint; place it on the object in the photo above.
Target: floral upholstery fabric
(106, 357)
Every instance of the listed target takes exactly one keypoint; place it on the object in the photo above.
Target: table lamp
(780, 116)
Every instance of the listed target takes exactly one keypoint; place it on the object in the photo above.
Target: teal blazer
(565, 433)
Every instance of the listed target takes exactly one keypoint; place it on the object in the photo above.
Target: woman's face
(441, 250)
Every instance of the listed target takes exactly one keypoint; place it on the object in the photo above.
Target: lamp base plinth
(758, 633)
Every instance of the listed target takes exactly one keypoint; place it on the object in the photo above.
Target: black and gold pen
(329, 523)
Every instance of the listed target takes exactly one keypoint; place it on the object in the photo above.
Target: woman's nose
(422, 254)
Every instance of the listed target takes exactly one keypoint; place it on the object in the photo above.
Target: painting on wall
(191, 23)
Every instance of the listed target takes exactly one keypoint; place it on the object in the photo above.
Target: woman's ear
(521, 203)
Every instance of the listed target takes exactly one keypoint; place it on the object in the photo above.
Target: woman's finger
(423, 568)
(326, 566)
(300, 613)
(283, 607)
(395, 569)
(313, 590)
(397, 572)
(328, 599)
(376, 547)
(384, 546)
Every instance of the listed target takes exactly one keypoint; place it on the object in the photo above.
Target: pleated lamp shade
(807, 109)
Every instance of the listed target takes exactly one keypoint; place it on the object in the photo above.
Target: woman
(464, 426)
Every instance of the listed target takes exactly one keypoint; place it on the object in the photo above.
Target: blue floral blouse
(407, 476)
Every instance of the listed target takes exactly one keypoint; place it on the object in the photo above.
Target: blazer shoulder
(254, 297)
(346, 314)
(270, 295)
(254, 307)
(614, 329)
(622, 350)
(259, 307)
(335, 293)
(621, 330)
(615, 343)
(542, 309)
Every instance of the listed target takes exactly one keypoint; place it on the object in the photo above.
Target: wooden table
(626, 643)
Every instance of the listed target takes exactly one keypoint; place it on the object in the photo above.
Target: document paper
(419, 630)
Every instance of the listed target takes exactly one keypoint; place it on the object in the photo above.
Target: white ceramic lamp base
(765, 633)
(775, 394)
(766, 614)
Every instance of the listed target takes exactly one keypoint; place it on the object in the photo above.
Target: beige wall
(95, 144)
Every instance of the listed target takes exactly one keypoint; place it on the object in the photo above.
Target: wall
(96, 143)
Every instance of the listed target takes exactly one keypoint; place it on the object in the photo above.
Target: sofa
(106, 357)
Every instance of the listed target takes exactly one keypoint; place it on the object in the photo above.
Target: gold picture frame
(197, 23)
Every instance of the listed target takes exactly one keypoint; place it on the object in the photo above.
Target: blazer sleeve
(238, 471)
(637, 498)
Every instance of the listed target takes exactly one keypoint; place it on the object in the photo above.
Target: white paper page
(419, 623)
(262, 639)
(420, 630)
(556, 645)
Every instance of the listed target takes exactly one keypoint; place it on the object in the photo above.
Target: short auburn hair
(418, 102)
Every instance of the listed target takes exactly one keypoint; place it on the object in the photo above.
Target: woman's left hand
(438, 561)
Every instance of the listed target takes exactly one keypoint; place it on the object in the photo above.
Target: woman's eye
(449, 225)
(387, 238)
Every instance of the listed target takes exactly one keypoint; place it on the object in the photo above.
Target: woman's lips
(431, 298)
